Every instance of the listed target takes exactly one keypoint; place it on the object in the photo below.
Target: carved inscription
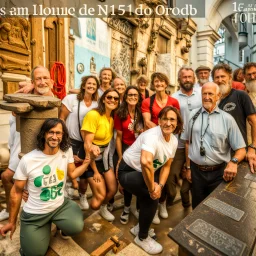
(225, 209)
(217, 238)
(122, 26)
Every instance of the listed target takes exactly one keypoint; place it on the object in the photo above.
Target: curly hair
(46, 127)
(101, 109)
(80, 95)
(223, 66)
(164, 112)
(123, 113)
(248, 66)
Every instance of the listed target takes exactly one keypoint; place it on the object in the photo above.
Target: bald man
(211, 134)
(42, 84)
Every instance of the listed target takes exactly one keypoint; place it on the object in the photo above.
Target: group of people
(142, 141)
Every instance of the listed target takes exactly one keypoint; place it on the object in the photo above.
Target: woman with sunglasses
(128, 124)
(73, 108)
(97, 129)
(142, 84)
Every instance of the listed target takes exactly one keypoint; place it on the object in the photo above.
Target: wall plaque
(217, 238)
(225, 208)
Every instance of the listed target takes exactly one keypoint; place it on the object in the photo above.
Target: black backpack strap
(152, 98)
(146, 93)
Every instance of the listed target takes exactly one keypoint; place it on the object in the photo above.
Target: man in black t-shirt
(239, 105)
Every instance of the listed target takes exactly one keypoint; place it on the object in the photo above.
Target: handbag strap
(78, 112)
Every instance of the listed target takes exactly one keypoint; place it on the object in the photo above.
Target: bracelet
(161, 186)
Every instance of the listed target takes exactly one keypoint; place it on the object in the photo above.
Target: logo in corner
(229, 106)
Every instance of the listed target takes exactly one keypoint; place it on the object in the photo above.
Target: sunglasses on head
(109, 97)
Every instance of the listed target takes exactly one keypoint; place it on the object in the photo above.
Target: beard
(251, 86)
(225, 88)
(203, 81)
(43, 90)
(187, 86)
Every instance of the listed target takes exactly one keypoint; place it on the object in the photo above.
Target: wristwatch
(234, 160)
(161, 186)
(252, 146)
(188, 167)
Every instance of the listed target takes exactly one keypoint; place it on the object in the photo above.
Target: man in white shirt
(40, 79)
(44, 171)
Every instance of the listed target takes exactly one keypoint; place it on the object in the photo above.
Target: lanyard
(203, 134)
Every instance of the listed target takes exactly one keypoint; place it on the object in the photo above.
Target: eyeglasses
(133, 95)
(58, 134)
(109, 97)
(165, 119)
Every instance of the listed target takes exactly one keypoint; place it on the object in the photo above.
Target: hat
(201, 67)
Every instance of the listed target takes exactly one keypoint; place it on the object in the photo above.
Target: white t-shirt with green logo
(152, 141)
(46, 175)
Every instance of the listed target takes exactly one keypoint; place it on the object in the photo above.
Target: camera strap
(203, 134)
(194, 119)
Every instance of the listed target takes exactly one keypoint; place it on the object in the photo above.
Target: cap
(201, 67)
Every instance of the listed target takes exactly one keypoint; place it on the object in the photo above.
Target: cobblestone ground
(74, 246)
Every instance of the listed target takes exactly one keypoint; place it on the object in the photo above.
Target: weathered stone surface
(30, 125)
(237, 193)
(36, 101)
(16, 107)
(133, 250)
(96, 232)
(66, 247)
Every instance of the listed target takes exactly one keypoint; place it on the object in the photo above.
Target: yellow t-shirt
(100, 126)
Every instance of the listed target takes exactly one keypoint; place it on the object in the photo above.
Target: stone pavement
(98, 230)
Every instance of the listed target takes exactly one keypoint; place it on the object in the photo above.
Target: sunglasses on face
(109, 97)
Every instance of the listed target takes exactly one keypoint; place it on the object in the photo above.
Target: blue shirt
(187, 104)
(221, 135)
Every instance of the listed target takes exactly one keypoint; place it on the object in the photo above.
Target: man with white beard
(202, 75)
(250, 82)
(40, 79)
(238, 104)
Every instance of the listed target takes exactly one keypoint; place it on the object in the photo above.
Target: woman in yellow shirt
(97, 129)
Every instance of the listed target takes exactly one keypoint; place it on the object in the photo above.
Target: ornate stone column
(205, 46)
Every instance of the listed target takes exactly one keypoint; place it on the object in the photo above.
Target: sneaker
(110, 207)
(135, 231)
(4, 215)
(149, 245)
(162, 210)
(136, 213)
(83, 202)
(105, 214)
(64, 236)
(124, 218)
(156, 219)
(69, 191)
